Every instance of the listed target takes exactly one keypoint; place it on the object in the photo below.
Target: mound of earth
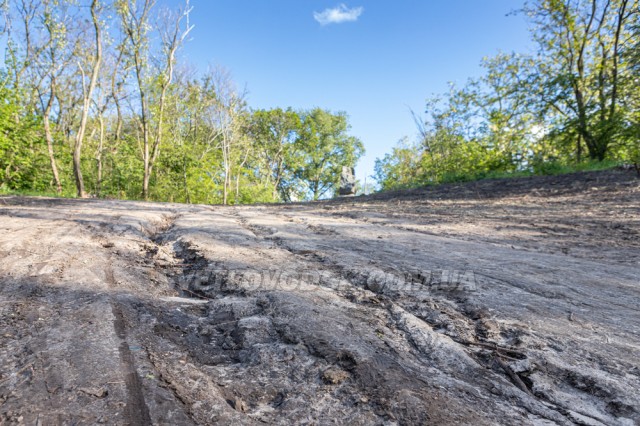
(496, 302)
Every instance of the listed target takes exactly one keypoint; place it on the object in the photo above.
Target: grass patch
(548, 168)
(32, 193)
(559, 168)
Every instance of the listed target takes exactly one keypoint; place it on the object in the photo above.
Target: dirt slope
(499, 302)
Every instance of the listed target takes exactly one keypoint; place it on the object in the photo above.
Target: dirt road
(499, 302)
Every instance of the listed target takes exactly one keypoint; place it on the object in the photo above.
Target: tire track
(136, 410)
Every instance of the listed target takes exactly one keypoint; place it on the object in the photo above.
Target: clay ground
(497, 302)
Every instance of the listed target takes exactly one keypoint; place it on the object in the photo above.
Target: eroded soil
(497, 302)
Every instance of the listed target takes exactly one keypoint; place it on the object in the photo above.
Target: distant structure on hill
(347, 182)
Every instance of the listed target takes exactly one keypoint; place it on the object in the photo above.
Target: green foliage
(576, 98)
(582, 79)
(273, 134)
(401, 168)
(22, 151)
(270, 153)
(563, 167)
(324, 147)
(153, 131)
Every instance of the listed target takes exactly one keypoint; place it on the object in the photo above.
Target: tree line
(95, 100)
(576, 99)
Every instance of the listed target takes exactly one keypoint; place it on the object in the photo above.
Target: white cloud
(338, 15)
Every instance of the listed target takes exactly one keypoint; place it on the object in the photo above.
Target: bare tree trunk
(227, 166)
(77, 151)
(49, 138)
(225, 120)
(115, 93)
(244, 161)
(579, 148)
(99, 155)
(172, 40)
(279, 171)
(185, 182)
(145, 141)
(136, 28)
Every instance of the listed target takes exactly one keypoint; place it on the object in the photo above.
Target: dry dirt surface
(497, 302)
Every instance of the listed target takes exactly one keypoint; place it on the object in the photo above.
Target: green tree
(324, 147)
(631, 98)
(580, 71)
(106, 104)
(273, 133)
(401, 168)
